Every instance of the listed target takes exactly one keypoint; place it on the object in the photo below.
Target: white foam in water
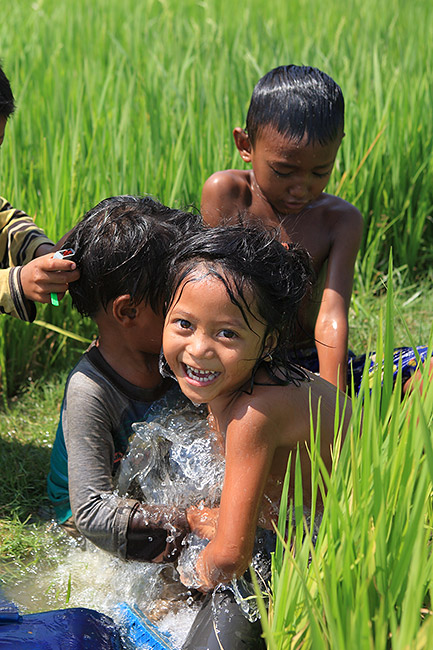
(97, 580)
(175, 460)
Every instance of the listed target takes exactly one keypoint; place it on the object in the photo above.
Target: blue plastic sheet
(63, 629)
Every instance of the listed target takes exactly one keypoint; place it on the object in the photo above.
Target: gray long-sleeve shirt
(98, 409)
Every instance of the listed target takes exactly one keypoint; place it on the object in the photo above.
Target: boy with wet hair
(121, 249)
(28, 272)
(294, 128)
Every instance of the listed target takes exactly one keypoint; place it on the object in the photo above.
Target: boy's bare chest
(311, 228)
(315, 240)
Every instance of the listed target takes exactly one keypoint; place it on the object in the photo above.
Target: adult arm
(332, 330)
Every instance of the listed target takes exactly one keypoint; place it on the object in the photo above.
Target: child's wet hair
(7, 102)
(251, 262)
(297, 100)
(121, 247)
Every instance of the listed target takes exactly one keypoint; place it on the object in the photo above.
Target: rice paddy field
(141, 96)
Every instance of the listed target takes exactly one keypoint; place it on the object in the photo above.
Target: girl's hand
(196, 575)
(203, 521)
(205, 584)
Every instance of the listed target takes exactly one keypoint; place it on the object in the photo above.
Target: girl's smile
(207, 342)
(203, 377)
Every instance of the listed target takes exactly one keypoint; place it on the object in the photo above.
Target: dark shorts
(228, 617)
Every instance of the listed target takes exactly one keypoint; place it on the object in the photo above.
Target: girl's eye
(322, 175)
(228, 334)
(183, 323)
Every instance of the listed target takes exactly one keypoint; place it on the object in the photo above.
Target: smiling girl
(234, 293)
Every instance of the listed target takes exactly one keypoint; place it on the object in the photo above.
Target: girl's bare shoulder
(286, 404)
(267, 399)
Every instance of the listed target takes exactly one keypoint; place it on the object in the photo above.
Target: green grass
(27, 434)
(141, 97)
(367, 581)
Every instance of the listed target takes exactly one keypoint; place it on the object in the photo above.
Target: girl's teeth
(200, 375)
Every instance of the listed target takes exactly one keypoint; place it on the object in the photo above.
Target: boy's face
(290, 174)
(3, 121)
(140, 326)
(148, 330)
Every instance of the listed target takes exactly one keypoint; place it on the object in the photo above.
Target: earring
(267, 357)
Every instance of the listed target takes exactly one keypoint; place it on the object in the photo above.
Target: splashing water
(174, 458)
(73, 575)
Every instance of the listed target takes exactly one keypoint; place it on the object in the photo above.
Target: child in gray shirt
(121, 249)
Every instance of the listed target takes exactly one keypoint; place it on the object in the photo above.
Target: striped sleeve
(12, 298)
(19, 236)
(19, 239)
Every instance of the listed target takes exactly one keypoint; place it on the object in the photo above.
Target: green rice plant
(366, 581)
(142, 96)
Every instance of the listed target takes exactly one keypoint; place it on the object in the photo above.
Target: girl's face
(206, 341)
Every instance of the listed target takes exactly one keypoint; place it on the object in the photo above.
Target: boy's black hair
(121, 247)
(297, 100)
(7, 101)
(250, 261)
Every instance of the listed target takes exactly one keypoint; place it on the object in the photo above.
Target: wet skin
(284, 189)
(212, 352)
(288, 175)
(208, 344)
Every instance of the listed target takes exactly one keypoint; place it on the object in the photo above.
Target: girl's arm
(250, 445)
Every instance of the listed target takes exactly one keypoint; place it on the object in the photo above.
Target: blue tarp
(63, 629)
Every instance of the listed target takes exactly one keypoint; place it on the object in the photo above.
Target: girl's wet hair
(251, 262)
(297, 100)
(121, 247)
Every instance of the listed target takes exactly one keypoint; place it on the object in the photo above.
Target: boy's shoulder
(224, 194)
(334, 207)
(337, 217)
(86, 374)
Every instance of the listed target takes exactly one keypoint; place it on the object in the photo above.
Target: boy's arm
(46, 275)
(220, 198)
(249, 454)
(332, 330)
(20, 238)
(118, 525)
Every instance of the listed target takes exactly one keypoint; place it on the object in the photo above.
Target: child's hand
(192, 573)
(44, 275)
(203, 521)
